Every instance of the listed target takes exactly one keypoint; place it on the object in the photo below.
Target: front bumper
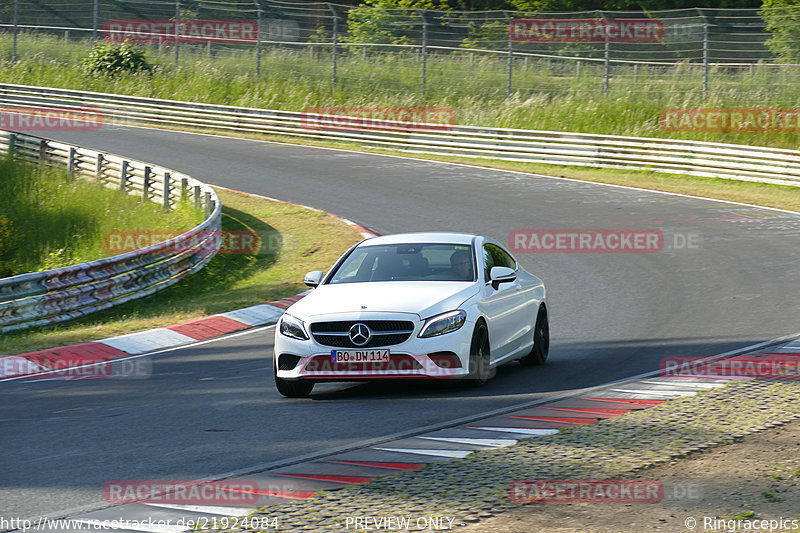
(442, 357)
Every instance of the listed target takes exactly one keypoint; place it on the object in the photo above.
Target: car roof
(427, 238)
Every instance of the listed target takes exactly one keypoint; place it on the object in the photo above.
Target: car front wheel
(292, 389)
(480, 370)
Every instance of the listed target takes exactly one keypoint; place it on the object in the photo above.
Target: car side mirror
(313, 278)
(499, 275)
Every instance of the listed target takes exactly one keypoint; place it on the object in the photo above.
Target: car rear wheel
(292, 389)
(480, 370)
(541, 340)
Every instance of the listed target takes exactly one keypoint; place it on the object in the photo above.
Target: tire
(480, 370)
(541, 340)
(292, 389)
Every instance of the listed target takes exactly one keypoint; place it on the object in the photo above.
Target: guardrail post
(208, 203)
(99, 167)
(123, 176)
(167, 180)
(196, 194)
(42, 151)
(184, 188)
(71, 162)
(146, 186)
(12, 144)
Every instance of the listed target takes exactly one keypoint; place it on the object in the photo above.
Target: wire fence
(420, 50)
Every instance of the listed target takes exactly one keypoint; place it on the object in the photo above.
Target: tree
(784, 24)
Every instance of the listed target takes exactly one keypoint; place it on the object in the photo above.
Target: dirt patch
(757, 474)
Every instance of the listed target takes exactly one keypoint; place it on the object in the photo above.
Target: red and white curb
(87, 353)
(76, 355)
(302, 480)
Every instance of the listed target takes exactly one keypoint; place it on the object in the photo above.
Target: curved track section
(212, 408)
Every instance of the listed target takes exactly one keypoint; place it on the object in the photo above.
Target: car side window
(494, 256)
(488, 260)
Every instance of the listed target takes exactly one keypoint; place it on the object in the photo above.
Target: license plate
(359, 356)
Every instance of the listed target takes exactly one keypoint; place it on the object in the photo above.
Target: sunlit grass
(59, 220)
(294, 240)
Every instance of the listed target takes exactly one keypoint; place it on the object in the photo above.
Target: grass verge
(53, 220)
(294, 241)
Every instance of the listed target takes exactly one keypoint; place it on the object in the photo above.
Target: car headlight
(293, 327)
(444, 323)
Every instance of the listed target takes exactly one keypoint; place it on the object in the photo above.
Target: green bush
(112, 59)
(9, 241)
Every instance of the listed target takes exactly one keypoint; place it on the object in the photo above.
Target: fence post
(258, 41)
(177, 30)
(606, 55)
(99, 168)
(208, 203)
(123, 176)
(705, 50)
(147, 179)
(16, 24)
(167, 179)
(335, 44)
(424, 50)
(95, 19)
(71, 162)
(510, 57)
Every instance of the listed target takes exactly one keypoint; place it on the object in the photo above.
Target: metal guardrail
(53, 296)
(695, 158)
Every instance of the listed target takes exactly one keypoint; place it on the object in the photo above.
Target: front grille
(384, 333)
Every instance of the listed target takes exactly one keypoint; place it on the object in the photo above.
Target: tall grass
(58, 221)
(546, 95)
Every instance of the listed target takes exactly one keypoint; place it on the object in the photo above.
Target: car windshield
(407, 262)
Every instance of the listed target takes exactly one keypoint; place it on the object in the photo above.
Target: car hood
(424, 298)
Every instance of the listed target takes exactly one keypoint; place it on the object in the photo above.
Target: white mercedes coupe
(412, 306)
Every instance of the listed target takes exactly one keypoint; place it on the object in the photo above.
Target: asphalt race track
(213, 408)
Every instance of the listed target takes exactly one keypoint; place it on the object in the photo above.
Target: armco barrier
(738, 162)
(49, 297)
